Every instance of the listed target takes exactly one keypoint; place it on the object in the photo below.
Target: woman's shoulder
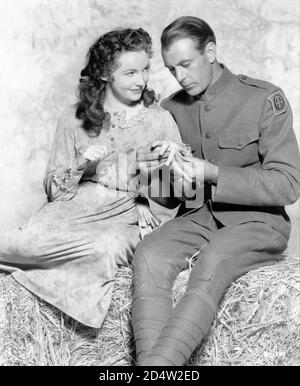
(68, 120)
(69, 113)
(156, 110)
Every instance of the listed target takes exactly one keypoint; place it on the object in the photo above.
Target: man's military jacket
(244, 126)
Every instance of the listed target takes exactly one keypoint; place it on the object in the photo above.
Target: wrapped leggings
(166, 335)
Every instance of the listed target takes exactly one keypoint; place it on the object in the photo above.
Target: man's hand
(187, 174)
(149, 159)
(159, 153)
(194, 170)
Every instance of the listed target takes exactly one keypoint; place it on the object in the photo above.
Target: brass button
(208, 134)
(243, 77)
(207, 108)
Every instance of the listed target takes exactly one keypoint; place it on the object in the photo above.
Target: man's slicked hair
(188, 27)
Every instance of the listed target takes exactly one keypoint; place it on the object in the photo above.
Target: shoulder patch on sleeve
(279, 103)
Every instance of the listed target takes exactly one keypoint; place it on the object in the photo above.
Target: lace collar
(122, 120)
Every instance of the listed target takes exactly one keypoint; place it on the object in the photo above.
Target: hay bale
(36, 333)
(257, 324)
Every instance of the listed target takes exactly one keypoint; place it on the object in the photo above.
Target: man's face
(193, 70)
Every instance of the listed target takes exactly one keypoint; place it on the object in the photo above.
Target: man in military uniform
(240, 132)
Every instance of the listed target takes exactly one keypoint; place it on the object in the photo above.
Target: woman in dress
(69, 251)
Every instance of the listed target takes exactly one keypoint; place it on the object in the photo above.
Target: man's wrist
(211, 173)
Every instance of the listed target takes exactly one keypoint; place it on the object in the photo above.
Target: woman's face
(128, 81)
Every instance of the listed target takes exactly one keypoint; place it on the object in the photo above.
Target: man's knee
(245, 238)
(154, 265)
(148, 262)
(236, 250)
(156, 246)
(165, 252)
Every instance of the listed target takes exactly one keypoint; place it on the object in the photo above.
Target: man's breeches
(165, 335)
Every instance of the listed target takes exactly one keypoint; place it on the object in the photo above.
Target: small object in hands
(186, 149)
(173, 148)
(161, 153)
(179, 168)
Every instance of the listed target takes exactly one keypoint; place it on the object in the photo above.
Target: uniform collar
(217, 87)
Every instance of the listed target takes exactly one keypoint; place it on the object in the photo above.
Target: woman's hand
(95, 153)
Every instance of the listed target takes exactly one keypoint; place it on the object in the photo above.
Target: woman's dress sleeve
(62, 174)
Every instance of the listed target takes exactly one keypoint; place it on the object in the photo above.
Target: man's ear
(211, 52)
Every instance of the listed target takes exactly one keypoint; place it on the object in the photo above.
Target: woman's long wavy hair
(101, 62)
